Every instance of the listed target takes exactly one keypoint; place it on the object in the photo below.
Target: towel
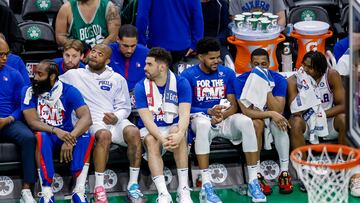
(168, 103)
(51, 98)
(104, 75)
(257, 85)
(309, 102)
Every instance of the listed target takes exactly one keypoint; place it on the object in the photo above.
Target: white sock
(134, 174)
(284, 165)
(252, 170)
(99, 179)
(183, 174)
(81, 179)
(205, 176)
(47, 190)
(160, 184)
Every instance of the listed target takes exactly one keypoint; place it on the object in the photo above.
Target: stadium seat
(41, 10)
(296, 14)
(9, 156)
(3, 3)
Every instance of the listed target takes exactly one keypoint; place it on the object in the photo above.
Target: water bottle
(286, 58)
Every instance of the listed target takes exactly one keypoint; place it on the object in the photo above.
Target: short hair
(74, 44)
(318, 61)
(260, 52)
(128, 30)
(160, 54)
(52, 67)
(2, 36)
(207, 44)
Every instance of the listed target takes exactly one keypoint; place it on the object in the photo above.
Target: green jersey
(93, 32)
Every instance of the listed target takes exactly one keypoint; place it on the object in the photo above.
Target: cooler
(245, 45)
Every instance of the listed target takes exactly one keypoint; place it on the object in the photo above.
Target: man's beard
(41, 86)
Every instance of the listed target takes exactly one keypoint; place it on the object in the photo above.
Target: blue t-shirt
(71, 100)
(11, 84)
(208, 89)
(18, 64)
(60, 63)
(135, 71)
(184, 96)
(340, 48)
(278, 91)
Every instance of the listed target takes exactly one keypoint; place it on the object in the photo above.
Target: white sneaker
(164, 198)
(355, 186)
(26, 196)
(183, 195)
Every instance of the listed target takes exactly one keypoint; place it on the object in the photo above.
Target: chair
(302, 13)
(4, 3)
(41, 10)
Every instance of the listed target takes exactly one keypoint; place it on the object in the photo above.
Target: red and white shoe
(100, 195)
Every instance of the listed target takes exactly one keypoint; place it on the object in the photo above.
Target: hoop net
(326, 171)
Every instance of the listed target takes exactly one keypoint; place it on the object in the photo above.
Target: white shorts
(163, 130)
(333, 134)
(117, 130)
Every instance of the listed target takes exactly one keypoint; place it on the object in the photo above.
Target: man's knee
(201, 124)
(103, 137)
(132, 135)
(259, 127)
(340, 121)
(241, 121)
(297, 124)
(152, 144)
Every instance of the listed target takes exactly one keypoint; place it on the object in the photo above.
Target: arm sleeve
(19, 84)
(140, 96)
(230, 87)
(24, 73)
(196, 24)
(77, 100)
(142, 19)
(122, 105)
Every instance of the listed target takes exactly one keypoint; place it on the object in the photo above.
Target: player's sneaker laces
(285, 185)
(46, 196)
(264, 185)
(355, 186)
(183, 195)
(100, 195)
(164, 198)
(26, 196)
(254, 191)
(134, 194)
(78, 196)
(207, 194)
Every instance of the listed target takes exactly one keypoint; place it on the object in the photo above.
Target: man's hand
(174, 140)
(65, 136)
(216, 111)
(5, 121)
(216, 119)
(190, 52)
(66, 153)
(280, 121)
(110, 118)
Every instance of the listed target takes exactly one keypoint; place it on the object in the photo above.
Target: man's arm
(334, 80)
(148, 119)
(292, 92)
(113, 23)
(275, 103)
(84, 122)
(184, 117)
(282, 18)
(233, 106)
(62, 24)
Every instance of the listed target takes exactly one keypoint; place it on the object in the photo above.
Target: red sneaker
(285, 185)
(265, 187)
(100, 195)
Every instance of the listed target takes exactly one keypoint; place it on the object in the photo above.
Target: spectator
(217, 25)
(11, 127)
(72, 56)
(107, 95)
(340, 47)
(55, 129)
(9, 28)
(90, 21)
(173, 25)
(276, 7)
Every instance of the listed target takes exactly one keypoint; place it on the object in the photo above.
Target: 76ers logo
(52, 116)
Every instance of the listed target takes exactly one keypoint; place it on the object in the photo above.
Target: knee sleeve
(201, 128)
(244, 127)
(281, 140)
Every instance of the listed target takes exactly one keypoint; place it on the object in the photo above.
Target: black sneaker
(302, 187)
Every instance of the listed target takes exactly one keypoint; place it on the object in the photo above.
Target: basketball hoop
(326, 171)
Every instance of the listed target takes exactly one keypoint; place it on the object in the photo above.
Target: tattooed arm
(113, 23)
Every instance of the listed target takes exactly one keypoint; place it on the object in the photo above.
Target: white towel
(168, 103)
(257, 85)
(308, 101)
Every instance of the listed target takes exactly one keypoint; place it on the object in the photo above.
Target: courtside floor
(226, 195)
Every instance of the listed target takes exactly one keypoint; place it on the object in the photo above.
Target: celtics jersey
(93, 32)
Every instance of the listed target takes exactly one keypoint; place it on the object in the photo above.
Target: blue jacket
(17, 63)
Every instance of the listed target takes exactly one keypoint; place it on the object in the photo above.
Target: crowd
(81, 103)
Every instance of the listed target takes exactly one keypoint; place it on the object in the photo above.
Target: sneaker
(254, 191)
(100, 195)
(26, 196)
(355, 186)
(164, 198)
(207, 194)
(78, 196)
(183, 195)
(302, 187)
(264, 185)
(47, 196)
(284, 181)
(134, 194)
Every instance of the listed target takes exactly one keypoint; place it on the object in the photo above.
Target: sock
(183, 174)
(134, 174)
(252, 170)
(160, 184)
(47, 190)
(258, 166)
(284, 165)
(99, 179)
(81, 179)
(205, 176)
